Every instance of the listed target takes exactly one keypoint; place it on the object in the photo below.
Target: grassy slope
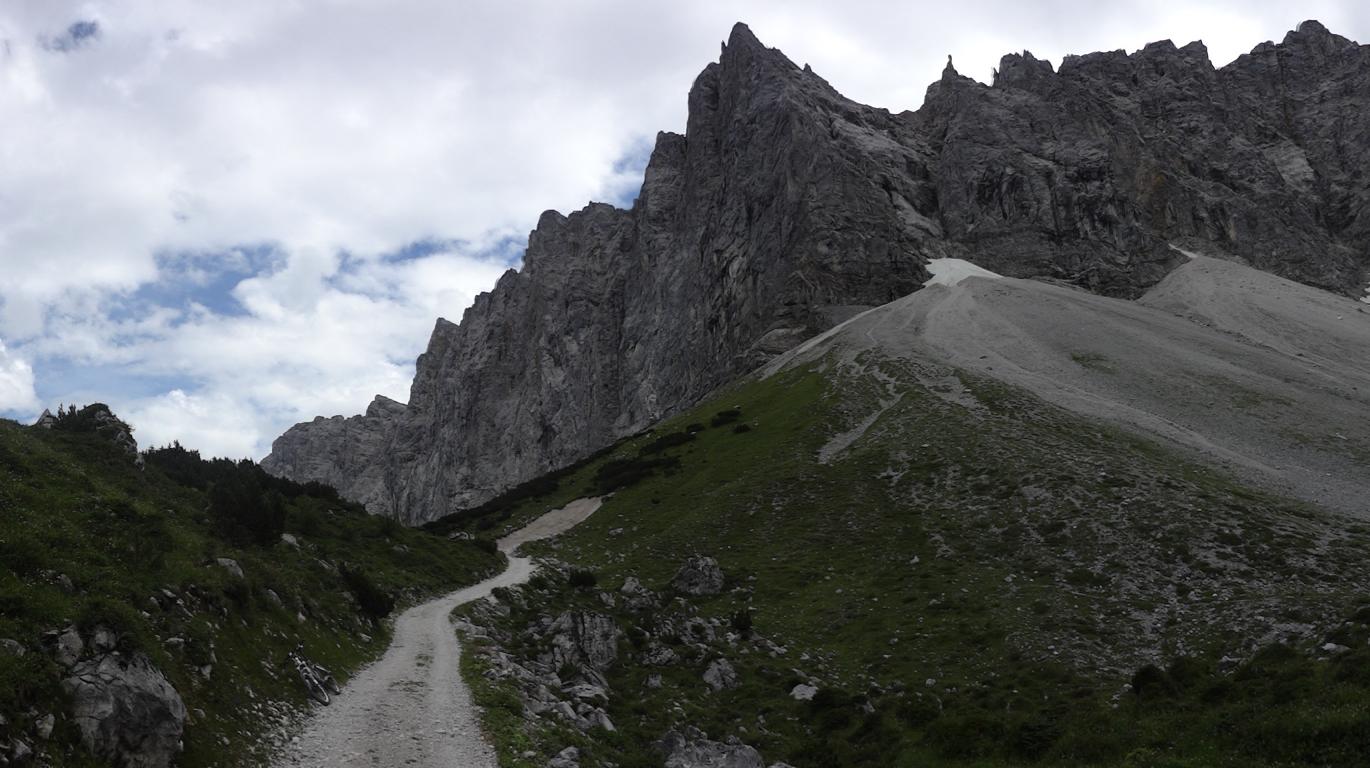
(984, 570)
(70, 504)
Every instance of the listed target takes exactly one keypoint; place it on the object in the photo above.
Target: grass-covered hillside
(212, 570)
(926, 568)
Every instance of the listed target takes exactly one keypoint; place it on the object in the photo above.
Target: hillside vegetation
(925, 567)
(183, 561)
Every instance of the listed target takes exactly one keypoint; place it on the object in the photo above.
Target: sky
(225, 218)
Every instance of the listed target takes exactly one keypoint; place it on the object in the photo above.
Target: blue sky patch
(78, 34)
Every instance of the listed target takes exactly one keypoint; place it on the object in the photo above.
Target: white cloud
(138, 160)
(16, 384)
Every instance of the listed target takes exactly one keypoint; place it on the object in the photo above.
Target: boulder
(126, 710)
(690, 748)
(566, 758)
(230, 565)
(699, 576)
(70, 646)
(720, 675)
(12, 647)
(803, 692)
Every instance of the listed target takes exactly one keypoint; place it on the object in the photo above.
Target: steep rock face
(785, 206)
(346, 453)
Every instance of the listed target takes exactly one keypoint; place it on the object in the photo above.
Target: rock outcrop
(786, 206)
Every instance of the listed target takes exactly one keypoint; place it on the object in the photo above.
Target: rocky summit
(785, 208)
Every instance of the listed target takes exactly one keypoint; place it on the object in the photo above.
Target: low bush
(375, 602)
(582, 579)
(725, 417)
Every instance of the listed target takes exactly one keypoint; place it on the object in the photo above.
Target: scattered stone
(654, 681)
(690, 748)
(699, 576)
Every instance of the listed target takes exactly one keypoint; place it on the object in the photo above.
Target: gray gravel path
(1267, 377)
(411, 707)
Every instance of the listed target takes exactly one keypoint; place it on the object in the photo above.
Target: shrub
(669, 440)
(621, 473)
(725, 417)
(115, 616)
(582, 579)
(375, 602)
(741, 622)
(742, 429)
(243, 513)
(486, 545)
(1151, 682)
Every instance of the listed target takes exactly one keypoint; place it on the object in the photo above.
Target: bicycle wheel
(316, 691)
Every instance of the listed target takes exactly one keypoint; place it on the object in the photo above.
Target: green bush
(243, 513)
(669, 440)
(375, 602)
(582, 579)
(725, 417)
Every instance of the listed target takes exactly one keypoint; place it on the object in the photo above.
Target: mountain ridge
(786, 206)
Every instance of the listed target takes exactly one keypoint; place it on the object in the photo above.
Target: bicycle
(318, 681)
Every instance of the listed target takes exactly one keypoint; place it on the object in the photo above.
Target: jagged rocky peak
(1020, 69)
(785, 207)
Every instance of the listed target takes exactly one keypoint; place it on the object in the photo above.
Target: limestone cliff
(785, 206)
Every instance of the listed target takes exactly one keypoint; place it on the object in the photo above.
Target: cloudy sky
(223, 218)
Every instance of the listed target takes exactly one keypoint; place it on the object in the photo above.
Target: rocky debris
(699, 576)
(126, 710)
(786, 204)
(689, 747)
(720, 675)
(658, 655)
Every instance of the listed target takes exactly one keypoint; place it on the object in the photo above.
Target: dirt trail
(411, 707)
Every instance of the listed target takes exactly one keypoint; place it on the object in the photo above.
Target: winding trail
(411, 707)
